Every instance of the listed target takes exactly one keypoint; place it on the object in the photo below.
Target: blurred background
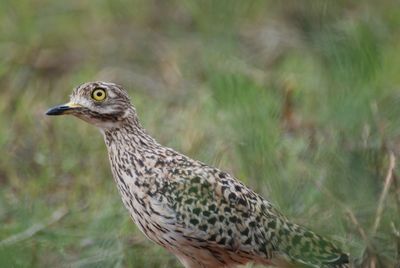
(299, 99)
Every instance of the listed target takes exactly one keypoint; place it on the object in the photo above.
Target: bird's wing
(219, 213)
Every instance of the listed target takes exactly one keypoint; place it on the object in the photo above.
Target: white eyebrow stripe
(111, 93)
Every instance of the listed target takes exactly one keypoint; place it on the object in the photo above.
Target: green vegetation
(300, 100)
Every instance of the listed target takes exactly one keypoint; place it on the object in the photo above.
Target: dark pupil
(99, 94)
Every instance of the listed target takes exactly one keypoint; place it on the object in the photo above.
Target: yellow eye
(99, 94)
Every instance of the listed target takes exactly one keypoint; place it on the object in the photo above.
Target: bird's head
(105, 105)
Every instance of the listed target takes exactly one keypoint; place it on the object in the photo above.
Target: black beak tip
(58, 110)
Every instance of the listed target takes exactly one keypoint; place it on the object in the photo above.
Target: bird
(203, 215)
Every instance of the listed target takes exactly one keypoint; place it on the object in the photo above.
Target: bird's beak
(63, 109)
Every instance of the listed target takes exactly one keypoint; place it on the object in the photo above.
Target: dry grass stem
(34, 229)
(382, 198)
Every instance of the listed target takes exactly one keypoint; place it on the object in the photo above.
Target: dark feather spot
(196, 211)
(222, 241)
(203, 227)
(206, 213)
(194, 221)
(212, 220)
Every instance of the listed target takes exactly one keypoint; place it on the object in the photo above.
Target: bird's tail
(303, 246)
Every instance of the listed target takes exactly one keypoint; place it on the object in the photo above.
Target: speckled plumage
(203, 215)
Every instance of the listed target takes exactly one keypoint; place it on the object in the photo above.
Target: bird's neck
(129, 136)
(132, 154)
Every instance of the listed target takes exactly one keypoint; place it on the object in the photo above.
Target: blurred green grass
(291, 97)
